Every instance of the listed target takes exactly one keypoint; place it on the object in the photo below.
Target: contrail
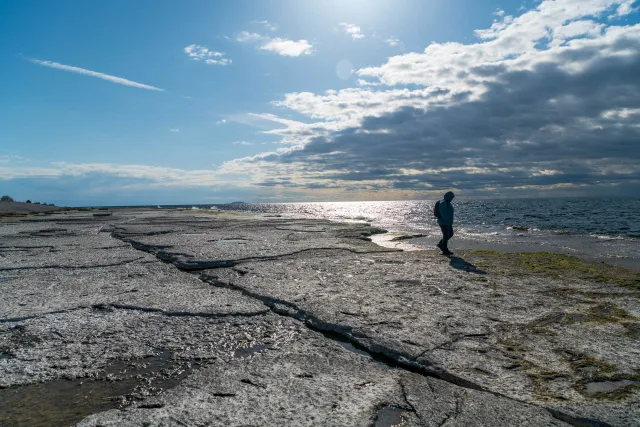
(77, 70)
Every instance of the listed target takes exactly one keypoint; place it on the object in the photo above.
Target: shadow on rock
(460, 264)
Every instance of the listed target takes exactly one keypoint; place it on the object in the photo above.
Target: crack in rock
(180, 313)
(361, 341)
(73, 266)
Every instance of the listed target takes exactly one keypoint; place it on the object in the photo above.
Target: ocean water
(598, 228)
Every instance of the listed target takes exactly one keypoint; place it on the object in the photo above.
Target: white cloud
(286, 47)
(625, 8)
(352, 30)
(281, 46)
(276, 119)
(512, 42)
(150, 176)
(245, 36)
(222, 61)
(499, 12)
(199, 53)
(107, 77)
(574, 29)
(221, 122)
(269, 26)
(242, 143)
(393, 42)
(174, 130)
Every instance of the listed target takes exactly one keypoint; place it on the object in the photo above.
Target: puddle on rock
(65, 402)
(609, 386)
(390, 416)
(589, 369)
(243, 352)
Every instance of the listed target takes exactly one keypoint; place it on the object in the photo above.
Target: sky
(164, 102)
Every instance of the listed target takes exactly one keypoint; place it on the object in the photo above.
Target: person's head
(448, 197)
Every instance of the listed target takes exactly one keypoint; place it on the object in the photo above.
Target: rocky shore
(193, 318)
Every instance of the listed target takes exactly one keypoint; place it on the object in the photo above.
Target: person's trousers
(447, 233)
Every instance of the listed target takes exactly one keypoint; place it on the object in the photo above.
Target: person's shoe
(447, 252)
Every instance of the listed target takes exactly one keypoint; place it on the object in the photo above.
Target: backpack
(436, 210)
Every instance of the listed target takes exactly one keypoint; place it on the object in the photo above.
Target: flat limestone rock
(74, 268)
(440, 403)
(515, 336)
(84, 342)
(144, 286)
(81, 295)
(314, 381)
(64, 248)
(210, 244)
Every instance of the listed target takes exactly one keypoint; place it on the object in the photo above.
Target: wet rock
(82, 343)
(407, 237)
(67, 401)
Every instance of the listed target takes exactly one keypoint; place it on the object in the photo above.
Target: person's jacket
(446, 210)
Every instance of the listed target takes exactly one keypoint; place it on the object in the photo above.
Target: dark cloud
(526, 123)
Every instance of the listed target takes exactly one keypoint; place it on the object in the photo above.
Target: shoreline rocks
(260, 312)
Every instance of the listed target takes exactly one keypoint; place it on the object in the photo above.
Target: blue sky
(206, 102)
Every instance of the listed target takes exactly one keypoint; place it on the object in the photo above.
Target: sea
(603, 229)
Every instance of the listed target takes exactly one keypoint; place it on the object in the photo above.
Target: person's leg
(443, 242)
(449, 236)
(447, 233)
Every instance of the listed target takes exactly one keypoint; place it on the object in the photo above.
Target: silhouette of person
(445, 220)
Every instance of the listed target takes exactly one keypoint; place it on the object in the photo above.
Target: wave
(604, 237)
(521, 228)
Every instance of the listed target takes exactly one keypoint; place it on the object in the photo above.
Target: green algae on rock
(558, 265)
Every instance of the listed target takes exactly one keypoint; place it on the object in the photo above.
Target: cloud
(281, 46)
(269, 26)
(352, 30)
(174, 130)
(245, 36)
(77, 70)
(143, 176)
(624, 8)
(243, 143)
(393, 42)
(221, 122)
(545, 101)
(286, 47)
(200, 53)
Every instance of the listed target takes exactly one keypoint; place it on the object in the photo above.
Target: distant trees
(6, 198)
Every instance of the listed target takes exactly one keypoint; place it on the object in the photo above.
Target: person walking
(445, 220)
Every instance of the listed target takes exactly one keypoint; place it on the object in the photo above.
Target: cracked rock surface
(205, 306)
(313, 381)
(517, 337)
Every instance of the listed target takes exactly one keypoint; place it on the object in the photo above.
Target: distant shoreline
(26, 208)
